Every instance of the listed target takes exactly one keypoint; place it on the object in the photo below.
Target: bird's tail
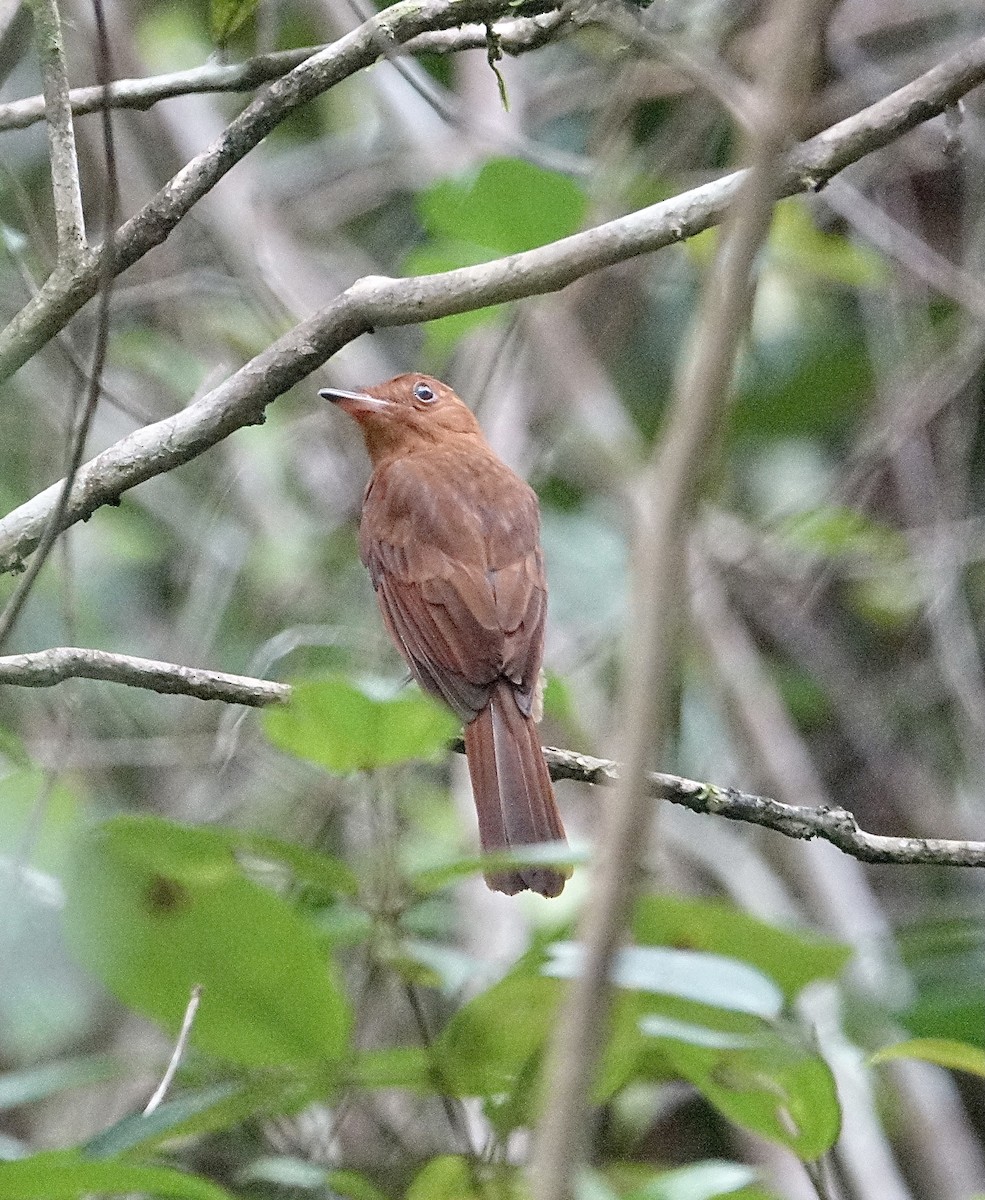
(514, 799)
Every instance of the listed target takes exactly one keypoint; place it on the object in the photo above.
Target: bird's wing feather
(454, 557)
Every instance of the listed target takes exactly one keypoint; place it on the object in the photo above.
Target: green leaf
(353, 1186)
(13, 749)
(837, 532)
(138, 1129)
(796, 243)
(37, 1083)
(322, 871)
(401, 1066)
(509, 207)
(447, 1177)
(155, 909)
(226, 16)
(827, 363)
(217, 1108)
(28, 800)
(709, 979)
(442, 335)
(957, 1056)
(486, 1045)
(945, 957)
(892, 598)
(346, 727)
(762, 1080)
(557, 699)
(66, 1174)
(702, 1181)
(713, 1021)
(793, 958)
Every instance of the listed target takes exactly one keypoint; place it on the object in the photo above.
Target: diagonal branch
(63, 295)
(810, 166)
(375, 301)
(514, 36)
(674, 485)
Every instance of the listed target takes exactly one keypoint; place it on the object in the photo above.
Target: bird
(451, 538)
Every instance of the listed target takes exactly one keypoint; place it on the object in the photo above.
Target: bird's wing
(459, 579)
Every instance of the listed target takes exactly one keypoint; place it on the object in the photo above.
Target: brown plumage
(451, 537)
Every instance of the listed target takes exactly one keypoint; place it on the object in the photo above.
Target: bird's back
(451, 540)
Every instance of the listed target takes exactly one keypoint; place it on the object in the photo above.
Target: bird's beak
(354, 403)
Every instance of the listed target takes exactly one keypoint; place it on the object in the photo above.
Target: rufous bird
(451, 537)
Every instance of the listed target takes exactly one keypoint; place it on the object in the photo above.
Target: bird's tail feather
(514, 799)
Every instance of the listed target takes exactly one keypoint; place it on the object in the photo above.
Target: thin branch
(83, 418)
(66, 191)
(515, 36)
(675, 482)
(376, 301)
(802, 823)
(897, 242)
(179, 1050)
(546, 269)
(61, 298)
(46, 668)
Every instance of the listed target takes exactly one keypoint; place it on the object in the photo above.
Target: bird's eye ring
(423, 393)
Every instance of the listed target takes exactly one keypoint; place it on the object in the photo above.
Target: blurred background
(833, 652)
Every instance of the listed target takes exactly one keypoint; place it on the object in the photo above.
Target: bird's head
(408, 412)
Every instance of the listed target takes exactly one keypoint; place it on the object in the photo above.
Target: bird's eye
(423, 393)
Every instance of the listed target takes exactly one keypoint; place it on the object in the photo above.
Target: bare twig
(179, 1050)
(515, 36)
(835, 824)
(83, 418)
(375, 301)
(65, 188)
(46, 668)
(384, 303)
(60, 298)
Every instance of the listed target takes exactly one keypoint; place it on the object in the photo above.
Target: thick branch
(375, 301)
(515, 36)
(62, 296)
(45, 668)
(808, 168)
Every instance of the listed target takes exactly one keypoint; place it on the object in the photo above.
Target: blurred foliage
(226, 16)
(959, 1056)
(505, 207)
(345, 726)
(373, 1025)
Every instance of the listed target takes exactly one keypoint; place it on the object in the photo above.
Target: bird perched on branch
(451, 537)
